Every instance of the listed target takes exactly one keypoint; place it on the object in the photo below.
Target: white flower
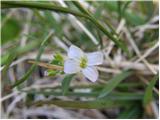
(83, 62)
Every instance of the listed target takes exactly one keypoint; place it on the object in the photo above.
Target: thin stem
(114, 38)
(38, 5)
(86, 15)
(33, 67)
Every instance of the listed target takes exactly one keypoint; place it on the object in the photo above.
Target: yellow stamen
(83, 62)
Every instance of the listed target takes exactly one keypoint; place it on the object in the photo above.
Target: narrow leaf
(97, 104)
(148, 93)
(10, 59)
(66, 82)
(113, 96)
(134, 111)
(29, 72)
(113, 83)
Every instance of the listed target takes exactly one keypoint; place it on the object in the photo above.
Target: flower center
(83, 62)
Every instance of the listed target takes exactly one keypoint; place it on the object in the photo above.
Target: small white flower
(83, 62)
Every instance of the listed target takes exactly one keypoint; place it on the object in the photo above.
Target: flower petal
(95, 58)
(75, 52)
(71, 66)
(91, 73)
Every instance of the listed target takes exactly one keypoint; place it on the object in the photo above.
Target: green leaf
(148, 92)
(125, 6)
(113, 96)
(119, 10)
(58, 59)
(20, 50)
(11, 57)
(9, 32)
(66, 82)
(9, 60)
(52, 72)
(96, 104)
(52, 23)
(131, 16)
(98, 87)
(134, 111)
(113, 83)
(147, 7)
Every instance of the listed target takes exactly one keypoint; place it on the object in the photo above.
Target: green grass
(117, 87)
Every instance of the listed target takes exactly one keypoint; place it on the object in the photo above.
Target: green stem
(87, 15)
(38, 5)
(113, 37)
(33, 67)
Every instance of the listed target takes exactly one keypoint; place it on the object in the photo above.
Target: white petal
(95, 58)
(75, 52)
(71, 66)
(91, 73)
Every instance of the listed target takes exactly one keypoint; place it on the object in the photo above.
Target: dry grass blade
(46, 65)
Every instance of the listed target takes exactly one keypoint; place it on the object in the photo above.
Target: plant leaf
(113, 96)
(9, 32)
(134, 111)
(29, 72)
(66, 82)
(96, 104)
(148, 92)
(113, 83)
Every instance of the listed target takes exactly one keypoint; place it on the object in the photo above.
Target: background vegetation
(126, 32)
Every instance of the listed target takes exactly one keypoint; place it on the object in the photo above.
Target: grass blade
(9, 60)
(134, 111)
(113, 96)
(26, 76)
(87, 15)
(97, 104)
(20, 50)
(113, 83)
(148, 93)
